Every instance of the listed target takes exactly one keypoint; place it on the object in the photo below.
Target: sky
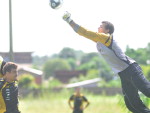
(40, 29)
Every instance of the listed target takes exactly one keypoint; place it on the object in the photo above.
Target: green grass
(58, 103)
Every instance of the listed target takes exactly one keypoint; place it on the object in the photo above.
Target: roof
(83, 83)
(31, 70)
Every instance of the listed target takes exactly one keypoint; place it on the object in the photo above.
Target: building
(64, 75)
(37, 74)
(24, 60)
(92, 86)
(85, 84)
(19, 57)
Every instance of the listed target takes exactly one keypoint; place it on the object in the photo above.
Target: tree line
(92, 63)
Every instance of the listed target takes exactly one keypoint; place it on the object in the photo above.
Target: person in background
(78, 102)
(9, 89)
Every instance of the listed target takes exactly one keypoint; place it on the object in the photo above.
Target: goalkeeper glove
(66, 17)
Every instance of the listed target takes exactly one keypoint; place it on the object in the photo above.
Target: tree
(140, 55)
(66, 53)
(94, 61)
(148, 51)
(53, 65)
(73, 63)
(87, 57)
(39, 61)
(26, 81)
(146, 71)
(91, 74)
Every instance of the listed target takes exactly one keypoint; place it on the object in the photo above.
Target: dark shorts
(78, 111)
(12, 112)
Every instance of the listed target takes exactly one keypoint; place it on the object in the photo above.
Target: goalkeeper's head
(2, 63)
(106, 27)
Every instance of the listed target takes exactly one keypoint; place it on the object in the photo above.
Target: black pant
(13, 112)
(133, 80)
(77, 111)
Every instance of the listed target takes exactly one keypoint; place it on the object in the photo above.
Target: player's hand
(66, 17)
(72, 107)
(82, 108)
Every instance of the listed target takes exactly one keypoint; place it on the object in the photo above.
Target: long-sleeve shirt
(8, 97)
(107, 47)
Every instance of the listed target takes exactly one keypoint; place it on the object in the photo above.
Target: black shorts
(78, 111)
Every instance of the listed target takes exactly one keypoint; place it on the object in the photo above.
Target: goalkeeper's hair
(109, 26)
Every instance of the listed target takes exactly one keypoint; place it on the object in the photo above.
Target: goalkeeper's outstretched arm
(94, 36)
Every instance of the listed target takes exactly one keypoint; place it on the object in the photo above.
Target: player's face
(12, 75)
(102, 29)
(78, 91)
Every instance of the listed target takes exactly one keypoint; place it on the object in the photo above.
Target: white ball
(56, 4)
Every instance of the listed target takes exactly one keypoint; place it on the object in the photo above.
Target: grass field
(58, 103)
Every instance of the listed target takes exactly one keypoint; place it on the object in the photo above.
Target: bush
(113, 83)
(146, 71)
(27, 81)
(53, 65)
(54, 83)
(91, 74)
